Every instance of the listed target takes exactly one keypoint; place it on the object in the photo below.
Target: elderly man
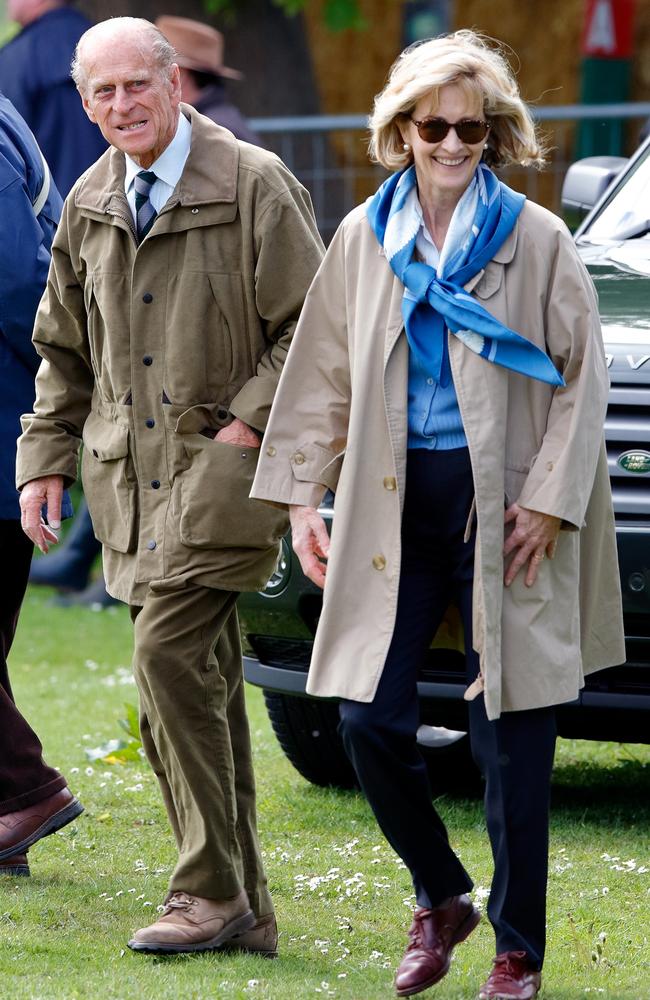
(178, 273)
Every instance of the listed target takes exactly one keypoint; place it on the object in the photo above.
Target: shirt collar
(169, 165)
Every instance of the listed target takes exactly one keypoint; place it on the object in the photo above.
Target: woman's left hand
(534, 535)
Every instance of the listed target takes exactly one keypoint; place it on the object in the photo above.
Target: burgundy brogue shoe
(432, 938)
(20, 829)
(512, 978)
(15, 865)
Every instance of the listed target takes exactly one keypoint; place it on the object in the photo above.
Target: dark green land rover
(278, 625)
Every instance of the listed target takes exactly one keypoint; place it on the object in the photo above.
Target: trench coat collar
(210, 173)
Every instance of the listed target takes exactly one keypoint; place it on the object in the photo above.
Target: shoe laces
(179, 901)
(416, 934)
(510, 965)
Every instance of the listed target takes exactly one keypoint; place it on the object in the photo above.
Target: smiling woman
(130, 90)
(447, 374)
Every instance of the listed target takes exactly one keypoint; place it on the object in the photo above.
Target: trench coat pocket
(215, 508)
(109, 490)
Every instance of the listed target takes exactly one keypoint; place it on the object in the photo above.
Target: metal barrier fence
(328, 154)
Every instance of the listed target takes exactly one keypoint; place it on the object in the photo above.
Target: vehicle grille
(627, 427)
(291, 654)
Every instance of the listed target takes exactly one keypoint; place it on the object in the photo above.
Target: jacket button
(151, 545)
(147, 360)
(379, 562)
(390, 483)
(155, 484)
(147, 297)
(299, 458)
(95, 453)
(271, 451)
(150, 423)
(549, 466)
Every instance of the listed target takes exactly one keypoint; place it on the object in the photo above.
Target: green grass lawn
(343, 898)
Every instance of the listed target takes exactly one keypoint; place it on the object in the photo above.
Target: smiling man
(177, 277)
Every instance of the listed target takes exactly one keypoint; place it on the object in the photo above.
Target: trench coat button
(549, 466)
(150, 423)
(390, 483)
(95, 453)
(147, 298)
(379, 562)
(147, 360)
(299, 458)
(155, 484)
(151, 545)
(271, 451)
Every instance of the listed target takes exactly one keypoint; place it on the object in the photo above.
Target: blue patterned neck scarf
(433, 300)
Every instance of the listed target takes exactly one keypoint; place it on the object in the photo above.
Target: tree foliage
(337, 14)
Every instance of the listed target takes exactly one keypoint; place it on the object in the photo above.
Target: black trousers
(514, 752)
(24, 776)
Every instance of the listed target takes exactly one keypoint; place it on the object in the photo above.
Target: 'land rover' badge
(635, 461)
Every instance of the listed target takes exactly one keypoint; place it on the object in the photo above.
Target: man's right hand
(46, 490)
(311, 542)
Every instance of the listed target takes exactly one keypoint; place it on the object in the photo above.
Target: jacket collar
(210, 173)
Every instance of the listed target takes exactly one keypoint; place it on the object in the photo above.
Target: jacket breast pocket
(215, 508)
(108, 487)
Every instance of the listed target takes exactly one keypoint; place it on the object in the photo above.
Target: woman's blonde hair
(479, 66)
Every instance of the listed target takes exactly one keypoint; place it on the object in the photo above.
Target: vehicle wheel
(306, 729)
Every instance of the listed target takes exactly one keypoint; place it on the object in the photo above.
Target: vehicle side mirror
(586, 182)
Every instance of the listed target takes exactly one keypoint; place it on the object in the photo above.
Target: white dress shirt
(167, 168)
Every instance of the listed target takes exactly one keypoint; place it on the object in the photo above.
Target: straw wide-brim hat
(198, 45)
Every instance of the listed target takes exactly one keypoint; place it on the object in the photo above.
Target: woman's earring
(406, 147)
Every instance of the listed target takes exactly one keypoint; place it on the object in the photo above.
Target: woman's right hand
(311, 542)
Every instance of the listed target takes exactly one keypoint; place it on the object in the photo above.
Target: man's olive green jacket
(149, 350)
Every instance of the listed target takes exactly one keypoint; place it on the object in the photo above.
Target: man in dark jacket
(199, 54)
(35, 76)
(34, 798)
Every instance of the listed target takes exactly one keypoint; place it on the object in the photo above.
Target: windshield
(626, 213)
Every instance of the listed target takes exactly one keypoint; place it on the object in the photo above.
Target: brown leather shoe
(190, 923)
(432, 938)
(19, 830)
(15, 865)
(512, 978)
(261, 939)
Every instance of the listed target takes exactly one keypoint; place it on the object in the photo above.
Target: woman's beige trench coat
(340, 420)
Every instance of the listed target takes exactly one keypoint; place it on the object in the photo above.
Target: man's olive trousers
(188, 667)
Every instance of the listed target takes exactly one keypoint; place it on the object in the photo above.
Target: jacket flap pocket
(104, 439)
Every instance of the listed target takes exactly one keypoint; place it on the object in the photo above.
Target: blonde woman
(447, 381)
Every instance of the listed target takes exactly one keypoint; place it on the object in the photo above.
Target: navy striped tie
(145, 213)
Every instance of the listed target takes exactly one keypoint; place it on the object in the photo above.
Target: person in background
(178, 273)
(199, 54)
(35, 76)
(448, 381)
(34, 798)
